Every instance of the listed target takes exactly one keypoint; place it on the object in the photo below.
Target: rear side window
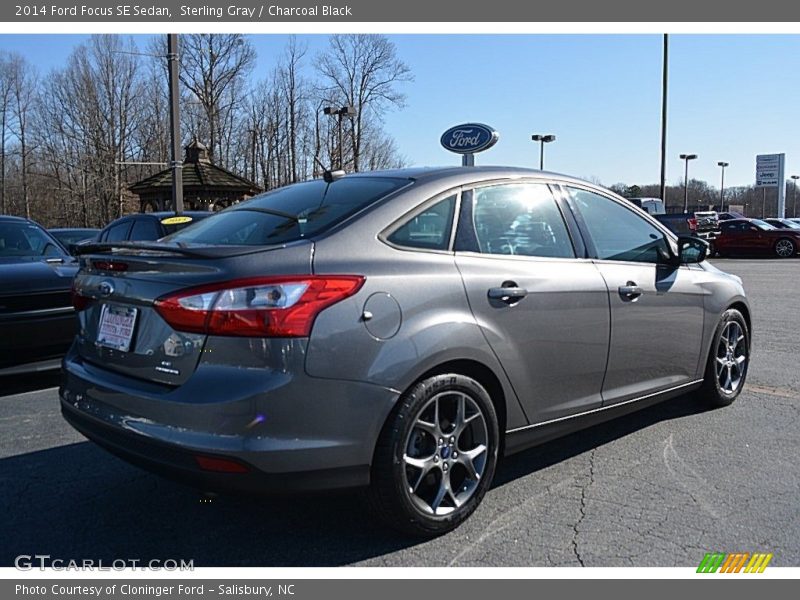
(290, 213)
(145, 230)
(520, 219)
(429, 229)
(118, 232)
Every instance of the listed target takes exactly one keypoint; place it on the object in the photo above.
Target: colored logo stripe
(711, 562)
(733, 563)
(758, 563)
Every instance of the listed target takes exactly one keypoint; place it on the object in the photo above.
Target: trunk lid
(121, 330)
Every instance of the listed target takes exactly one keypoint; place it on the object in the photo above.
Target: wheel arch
(745, 310)
(481, 373)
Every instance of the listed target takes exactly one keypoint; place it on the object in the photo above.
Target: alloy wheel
(731, 357)
(445, 453)
(784, 248)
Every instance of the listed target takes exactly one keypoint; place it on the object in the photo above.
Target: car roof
(161, 214)
(171, 213)
(60, 229)
(165, 213)
(13, 219)
(465, 174)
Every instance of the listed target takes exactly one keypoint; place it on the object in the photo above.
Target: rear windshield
(290, 213)
(179, 226)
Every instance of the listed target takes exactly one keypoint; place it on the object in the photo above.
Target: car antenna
(327, 174)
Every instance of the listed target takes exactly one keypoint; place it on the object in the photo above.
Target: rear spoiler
(154, 247)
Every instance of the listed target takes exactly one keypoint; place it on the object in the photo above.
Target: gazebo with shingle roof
(205, 185)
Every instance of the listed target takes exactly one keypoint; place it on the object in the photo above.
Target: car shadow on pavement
(545, 455)
(78, 502)
(29, 382)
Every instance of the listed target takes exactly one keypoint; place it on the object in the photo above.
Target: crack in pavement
(582, 509)
(507, 519)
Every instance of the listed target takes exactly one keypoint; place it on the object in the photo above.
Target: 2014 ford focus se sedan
(400, 330)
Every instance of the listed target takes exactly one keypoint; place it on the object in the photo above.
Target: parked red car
(753, 236)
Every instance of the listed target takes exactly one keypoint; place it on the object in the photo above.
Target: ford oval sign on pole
(469, 139)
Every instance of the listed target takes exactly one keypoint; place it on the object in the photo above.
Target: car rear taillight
(110, 265)
(692, 223)
(79, 301)
(258, 307)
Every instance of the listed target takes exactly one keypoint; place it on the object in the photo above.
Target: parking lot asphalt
(660, 487)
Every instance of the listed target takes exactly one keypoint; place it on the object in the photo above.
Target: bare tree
(95, 105)
(212, 66)
(24, 85)
(362, 70)
(295, 96)
(66, 139)
(5, 109)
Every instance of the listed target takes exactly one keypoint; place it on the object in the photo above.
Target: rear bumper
(179, 464)
(292, 432)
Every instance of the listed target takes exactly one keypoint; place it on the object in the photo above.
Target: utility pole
(664, 121)
(175, 123)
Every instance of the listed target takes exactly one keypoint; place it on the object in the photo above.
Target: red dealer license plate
(116, 327)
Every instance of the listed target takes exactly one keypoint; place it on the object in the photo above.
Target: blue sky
(731, 97)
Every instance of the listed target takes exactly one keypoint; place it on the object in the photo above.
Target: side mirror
(691, 250)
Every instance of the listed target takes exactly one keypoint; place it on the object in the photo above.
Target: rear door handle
(630, 291)
(509, 295)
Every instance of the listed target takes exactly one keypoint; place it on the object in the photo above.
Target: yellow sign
(176, 220)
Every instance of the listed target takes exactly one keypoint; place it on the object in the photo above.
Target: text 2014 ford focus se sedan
(399, 330)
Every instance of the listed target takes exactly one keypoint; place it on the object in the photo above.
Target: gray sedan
(397, 330)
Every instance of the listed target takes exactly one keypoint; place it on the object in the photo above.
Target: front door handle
(508, 294)
(630, 291)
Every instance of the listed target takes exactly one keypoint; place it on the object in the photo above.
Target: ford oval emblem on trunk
(469, 138)
(105, 288)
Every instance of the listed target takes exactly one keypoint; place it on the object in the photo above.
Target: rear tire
(728, 361)
(435, 457)
(785, 248)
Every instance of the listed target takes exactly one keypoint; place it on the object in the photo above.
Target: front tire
(436, 456)
(785, 248)
(728, 360)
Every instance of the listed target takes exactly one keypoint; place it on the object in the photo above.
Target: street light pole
(722, 186)
(686, 158)
(664, 120)
(175, 123)
(542, 139)
(344, 111)
(794, 194)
